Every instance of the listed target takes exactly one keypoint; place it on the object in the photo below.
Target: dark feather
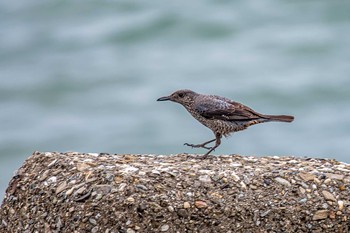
(223, 109)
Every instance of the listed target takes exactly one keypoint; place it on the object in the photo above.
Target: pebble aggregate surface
(100, 192)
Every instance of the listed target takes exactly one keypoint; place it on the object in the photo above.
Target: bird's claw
(187, 144)
(197, 146)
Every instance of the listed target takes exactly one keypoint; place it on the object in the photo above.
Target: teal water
(84, 75)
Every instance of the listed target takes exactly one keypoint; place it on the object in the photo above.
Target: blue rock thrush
(222, 115)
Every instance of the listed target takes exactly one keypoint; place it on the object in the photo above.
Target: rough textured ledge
(67, 192)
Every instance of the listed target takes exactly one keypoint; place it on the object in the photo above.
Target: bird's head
(184, 97)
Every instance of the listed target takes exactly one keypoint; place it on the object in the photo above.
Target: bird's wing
(224, 109)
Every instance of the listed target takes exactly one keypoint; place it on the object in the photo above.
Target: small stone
(246, 180)
(204, 179)
(328, 196)
(190, 194)
(141, 187)
(44, 175)
(130, 200)
(109, 176)
(200, 204)
(82, 166)
(216, 195)
(70, 191)
(164, 228)
(4, 223)
(341, 205)
(170, 208)
(265, 213)
(302, 190)
(61, 187)
(129, 169)
(205, 171)
(236, 165)
(343, 169)
(45, 153)
(103, 189)
(327, 181)
(267, 182)
(92, 221)
(235, 177)
(307, 176)
(59, 223)
(80, 191)
(156, 172)
(52, 163)
(93, 154)
(186, 205)
(320, 214)
(173, 174)
(182, 213)
(122, 186)
(243, 185)
(317, 181)
(335, 176)
(129, 230)
(283, 181)
(216, 178)
(142, 173)
(304, 185)
(118, 179)
(52, 179)
(94, 230)
(98, 196)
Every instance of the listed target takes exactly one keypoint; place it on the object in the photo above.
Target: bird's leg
(202, 145)
(217, 143)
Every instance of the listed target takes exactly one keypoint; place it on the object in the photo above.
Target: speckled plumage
(222, 115)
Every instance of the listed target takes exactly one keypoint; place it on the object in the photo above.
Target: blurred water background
(84, 75)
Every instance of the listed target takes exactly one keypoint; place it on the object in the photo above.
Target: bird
(220, 114)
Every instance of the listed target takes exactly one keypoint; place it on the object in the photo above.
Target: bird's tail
(282, 118)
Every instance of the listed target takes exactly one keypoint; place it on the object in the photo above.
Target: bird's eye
(181, 95)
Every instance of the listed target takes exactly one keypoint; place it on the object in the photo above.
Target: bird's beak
(165, 98)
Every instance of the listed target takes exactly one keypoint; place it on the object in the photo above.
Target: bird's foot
(208, 153)
(198, 145)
